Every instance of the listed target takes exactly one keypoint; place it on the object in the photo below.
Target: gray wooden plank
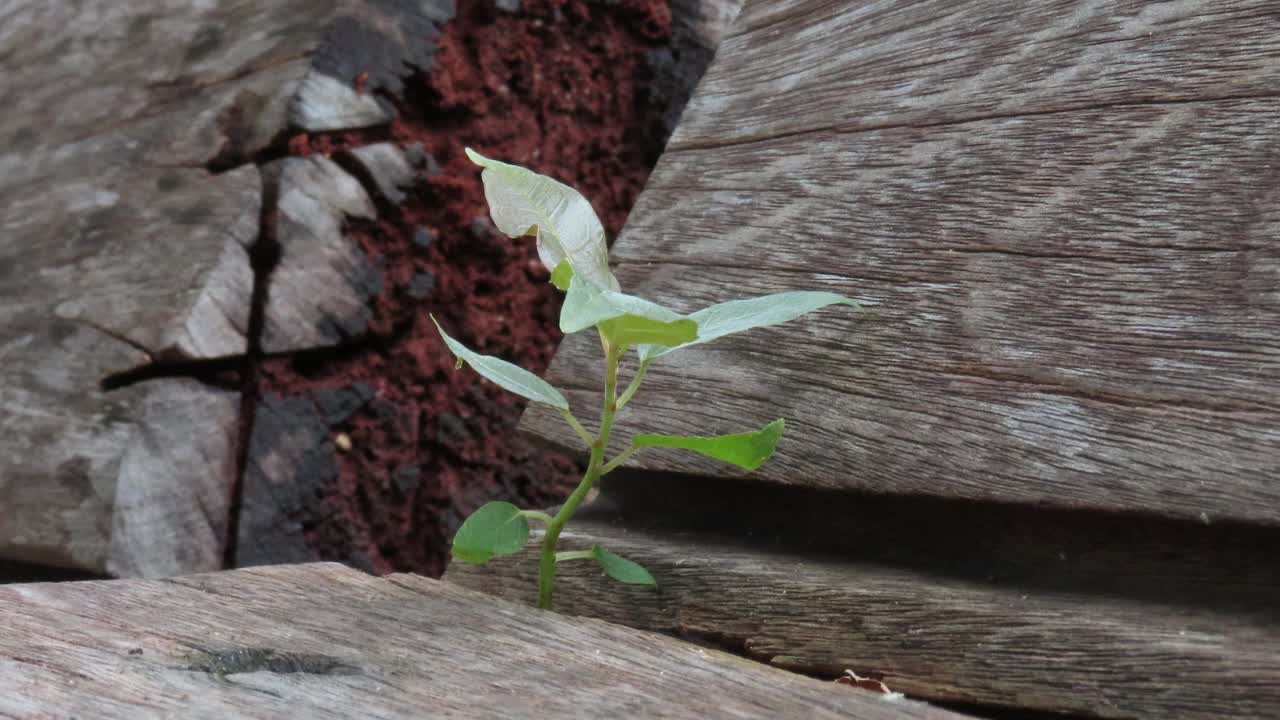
(1076, 309)
(103, 276)
(803, 65)
(325, 641)
(1120, 617)
(127, 203)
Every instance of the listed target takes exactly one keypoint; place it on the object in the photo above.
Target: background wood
(1079, 289)
(325, 641)
(943, 600)
(128, 201)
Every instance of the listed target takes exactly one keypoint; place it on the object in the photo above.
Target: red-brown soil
(562, 87)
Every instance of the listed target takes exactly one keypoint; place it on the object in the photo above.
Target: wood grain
(946, 601)
(128, 200)
(1078, 309)
(101, 278)
(325, 641)
(807, 65)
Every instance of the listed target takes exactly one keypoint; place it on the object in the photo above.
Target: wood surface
(325, 641)
(319, 292)
(1066, 212)
(128, 201)
(983, 605)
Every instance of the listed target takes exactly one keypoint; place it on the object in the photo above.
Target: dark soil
(569, 88)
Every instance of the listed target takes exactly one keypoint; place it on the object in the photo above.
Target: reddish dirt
(560, 87)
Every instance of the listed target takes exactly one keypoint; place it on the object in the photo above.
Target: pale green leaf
(508, 376)
(497, 528)
(522, 202)
(736, 316)
(747, 450)
(587, 305)
(561, 276)
(622, 569)
(626, 330)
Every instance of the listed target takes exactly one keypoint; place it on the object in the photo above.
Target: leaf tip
(475, 157)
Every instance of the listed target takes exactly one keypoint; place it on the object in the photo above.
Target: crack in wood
(677, 147)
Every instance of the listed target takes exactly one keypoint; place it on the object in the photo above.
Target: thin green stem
(621, 458)
(537, 515)
(564, 555)
(634, 385)
(547, 562)
(577, 427)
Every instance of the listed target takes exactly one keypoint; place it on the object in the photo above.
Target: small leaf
(634, 330)
(622, 569)
(561, 276)
(497, 528)
(508, 376)
(587, 305)
(736, 316)
(747, 450)
(522, 202)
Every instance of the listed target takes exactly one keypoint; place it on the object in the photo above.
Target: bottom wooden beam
(965, 605)
(325, 641)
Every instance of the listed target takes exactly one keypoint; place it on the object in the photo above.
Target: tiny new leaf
(507, 376)
(522, 202)
(621, 569)
(747, 450)
(561, 276)
(497, 528)
(736, 316)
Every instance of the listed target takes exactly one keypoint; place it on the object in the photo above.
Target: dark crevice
(286, 144)
(224, 373)
(264, 256)
(14, 571)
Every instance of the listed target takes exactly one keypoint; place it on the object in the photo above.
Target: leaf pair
(500, 528)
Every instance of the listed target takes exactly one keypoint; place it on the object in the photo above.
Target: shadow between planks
(326, 641)
(949, 601)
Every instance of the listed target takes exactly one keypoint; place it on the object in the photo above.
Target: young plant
(571, 243)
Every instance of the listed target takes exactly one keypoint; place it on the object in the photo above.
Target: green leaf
(508, 376)
(621, 569)
(747, 450)
(497, 528)
(634, 330)
(522, 202)
(638, 320)
(561, 276)
(738, 315)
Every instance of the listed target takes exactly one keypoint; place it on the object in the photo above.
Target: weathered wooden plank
(325, 641)
(319, 292)
(1077, 309)
(119, 250)
(104, 276)
(804, 65)
(947, 601)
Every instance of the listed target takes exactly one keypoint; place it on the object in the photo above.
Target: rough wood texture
(949, 601)
(325, 641)
(1067, 213)
(120, 250)
(320, 290)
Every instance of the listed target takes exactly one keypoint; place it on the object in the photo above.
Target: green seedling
(571, 243)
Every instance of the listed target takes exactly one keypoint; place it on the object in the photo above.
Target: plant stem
(547, 562)
(537, 515)
(634, 385)
(621, 458)
(577, 427)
